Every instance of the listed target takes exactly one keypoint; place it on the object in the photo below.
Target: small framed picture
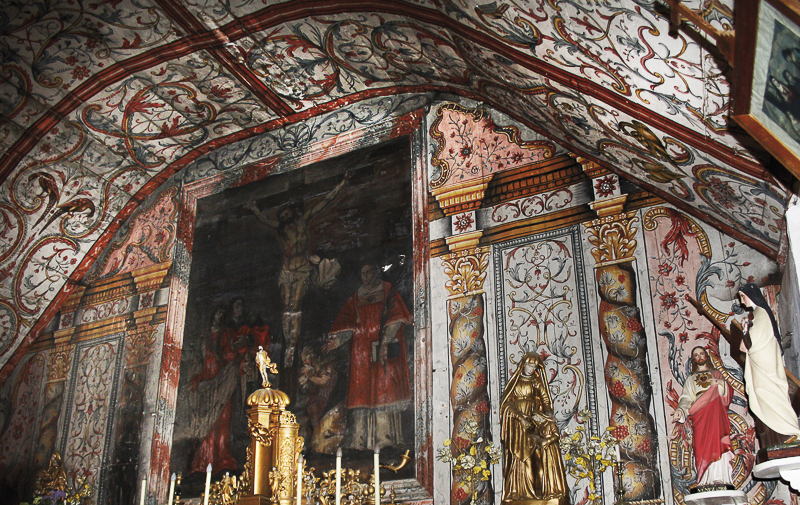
(766, 92)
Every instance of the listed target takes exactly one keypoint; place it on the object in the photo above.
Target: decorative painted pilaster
(469, 397)
(123, 482)
(626, 371)
(58, 364)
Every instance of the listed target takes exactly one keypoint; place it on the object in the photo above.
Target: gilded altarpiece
(542, 307)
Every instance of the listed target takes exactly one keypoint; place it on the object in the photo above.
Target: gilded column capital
(613, 238)
(140, 342)
(59, 362)
(467, 270)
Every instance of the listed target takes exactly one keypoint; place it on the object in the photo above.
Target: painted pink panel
(149, 239)
(472, 146)
(681, 255)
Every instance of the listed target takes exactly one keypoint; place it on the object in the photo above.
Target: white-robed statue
(764, 373)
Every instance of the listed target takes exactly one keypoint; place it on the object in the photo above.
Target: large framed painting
(316, 265)
(766, 93)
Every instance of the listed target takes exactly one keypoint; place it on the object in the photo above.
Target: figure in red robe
(705, 399)
(225, 355)
(379, 389)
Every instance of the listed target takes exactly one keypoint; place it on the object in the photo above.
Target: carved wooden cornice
(591, 168)
(609, 206)
(463, 196)
(464, 241)
(123, 285)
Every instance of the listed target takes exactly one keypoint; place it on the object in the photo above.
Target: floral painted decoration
(605, 186)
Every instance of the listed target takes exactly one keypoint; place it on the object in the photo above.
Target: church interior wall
(99, 384)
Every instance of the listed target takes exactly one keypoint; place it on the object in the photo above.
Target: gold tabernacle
(271, 470)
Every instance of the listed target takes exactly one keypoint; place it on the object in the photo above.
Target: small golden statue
(52, 478)
(226, 491)
(277, 479)
(533, 472)
(264, 364)
(229, 490)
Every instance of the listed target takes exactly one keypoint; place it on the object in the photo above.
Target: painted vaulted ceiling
(101, 101)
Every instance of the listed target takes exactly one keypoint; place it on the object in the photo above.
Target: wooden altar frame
(419, 488)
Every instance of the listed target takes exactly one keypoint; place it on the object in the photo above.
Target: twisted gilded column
(469, 397)
(626, 371)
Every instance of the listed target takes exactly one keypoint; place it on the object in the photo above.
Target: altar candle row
(339, 477)
(299, 481)
(172, 487)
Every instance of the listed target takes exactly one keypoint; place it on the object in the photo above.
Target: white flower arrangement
(470, 463)
(587, 456)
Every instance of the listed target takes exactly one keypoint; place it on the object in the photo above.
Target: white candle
(208, 484)
(171, 488)
(144, 490)
(339, 476)
(299, 478)
(377, 478)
